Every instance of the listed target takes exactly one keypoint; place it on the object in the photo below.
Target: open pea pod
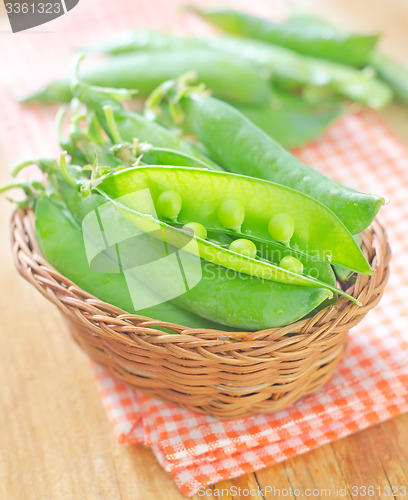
(317, 230)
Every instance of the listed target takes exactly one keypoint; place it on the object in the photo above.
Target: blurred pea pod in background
(302, 34)
(288, 70)
(228, 76)
(390, 71)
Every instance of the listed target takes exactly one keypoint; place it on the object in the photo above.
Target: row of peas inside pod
(231, 215)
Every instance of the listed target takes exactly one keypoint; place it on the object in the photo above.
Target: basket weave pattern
(197, 369)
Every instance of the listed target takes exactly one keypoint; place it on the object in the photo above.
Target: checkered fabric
(370, 384)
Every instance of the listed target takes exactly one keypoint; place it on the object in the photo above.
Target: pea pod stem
(152, 105)
(110, 119)
(59, 122)
(173, 91)
(24, 185)
(21, 166)
(45, 164)
(65, 171)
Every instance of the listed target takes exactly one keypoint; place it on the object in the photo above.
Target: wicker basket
(258, 372)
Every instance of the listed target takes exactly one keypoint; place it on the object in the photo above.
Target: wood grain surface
(55, 441)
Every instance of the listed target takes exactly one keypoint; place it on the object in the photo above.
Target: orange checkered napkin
(371, 382)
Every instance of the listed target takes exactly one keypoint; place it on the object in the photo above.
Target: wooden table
(55, 441)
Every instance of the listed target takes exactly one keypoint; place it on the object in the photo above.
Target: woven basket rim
(67, 295)
(202, 370)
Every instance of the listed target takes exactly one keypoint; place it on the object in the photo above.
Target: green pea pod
(239, 300)
(240, 146)
(294, 72)
(227, 76)
(317, 231)
(62, 245)
(290, 120)
(248, 302)
(344, 273)
(289, 70)
(236, 301)
(313, 39)
(303, 20)
(392, 72)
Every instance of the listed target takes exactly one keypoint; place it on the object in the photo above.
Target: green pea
(281, 227)
(231, 214)
(169, 204)
(244, 247)
(198, 229)
(291, 264)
